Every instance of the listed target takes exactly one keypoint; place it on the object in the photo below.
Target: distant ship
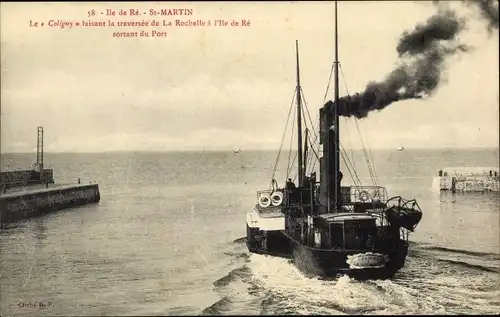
(401, 148)
(238, 150)
(327, 229)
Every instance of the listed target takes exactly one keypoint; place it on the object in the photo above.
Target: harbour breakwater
(467, 179)
(26, 203)
(29, 193)
(10, 179)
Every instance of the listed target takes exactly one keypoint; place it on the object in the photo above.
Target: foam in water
(427, 288)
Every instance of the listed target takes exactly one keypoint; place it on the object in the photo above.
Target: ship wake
(434, 280)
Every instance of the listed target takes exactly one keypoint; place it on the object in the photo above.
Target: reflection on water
(473, 201)
(39, 229)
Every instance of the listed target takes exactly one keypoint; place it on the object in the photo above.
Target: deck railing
(349, 194)
(366, 194)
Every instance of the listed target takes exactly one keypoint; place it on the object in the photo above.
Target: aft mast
(299, 121)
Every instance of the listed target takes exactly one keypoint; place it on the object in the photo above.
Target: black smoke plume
(422, 53)
(488, 10)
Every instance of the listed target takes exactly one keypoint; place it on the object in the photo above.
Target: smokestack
(422, 53)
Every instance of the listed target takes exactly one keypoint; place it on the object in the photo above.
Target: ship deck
(272, 212)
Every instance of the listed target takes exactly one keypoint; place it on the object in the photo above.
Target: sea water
(164, 240)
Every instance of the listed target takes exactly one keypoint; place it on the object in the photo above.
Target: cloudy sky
(225, 88)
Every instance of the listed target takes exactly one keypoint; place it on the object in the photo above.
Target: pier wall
(466, 183)
(20, 205)
(467, 179)
(25, 177)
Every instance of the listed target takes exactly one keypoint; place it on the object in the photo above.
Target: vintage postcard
(249, 158)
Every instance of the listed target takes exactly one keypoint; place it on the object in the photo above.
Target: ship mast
(336, 142)
(329, 194)
(299, 121)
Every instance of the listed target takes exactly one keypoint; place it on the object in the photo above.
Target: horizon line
(242, 150)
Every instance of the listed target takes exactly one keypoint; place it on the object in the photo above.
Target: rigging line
(346, 121)
(348, 165)
(291, 166)
(372, 160)
(304, 118)
(348, 162)
(313, 166)
(291, 140)
(311, 157)
(326, 95)
(318, 148)
(316, 161)
(309, 160)
(363, 147)
(316, 136)
(311, 169)
(370, 155)
(349, 170)
(370, 170)
(324, 100)
(317, 156)
(349, 139)
(348, 159)
(329, 81)
(307, 110)
(283, 137)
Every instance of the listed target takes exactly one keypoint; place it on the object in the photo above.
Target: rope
(348, 162)
(314, 151)
(329, 81)
(356, 185)
(308, 114)
(290, 147)
(350, 144)
(370, 170)
(373, 164)
(367, 159)
(290, 167)
(309, 160)
(283, 137)
(316, 136)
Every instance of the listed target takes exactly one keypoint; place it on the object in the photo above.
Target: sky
(222, 88)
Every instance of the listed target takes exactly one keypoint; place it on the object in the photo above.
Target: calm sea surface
(164, 240)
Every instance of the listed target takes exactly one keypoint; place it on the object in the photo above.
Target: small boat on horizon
(238, 150)
(401, 148)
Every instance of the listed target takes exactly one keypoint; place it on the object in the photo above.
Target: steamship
(327, 229)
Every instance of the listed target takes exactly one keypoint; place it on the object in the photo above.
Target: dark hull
(322, 263)
(331, 263)
(273, 243)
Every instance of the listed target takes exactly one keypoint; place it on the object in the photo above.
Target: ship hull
(331, 263)
(273, 243)
(322, 263)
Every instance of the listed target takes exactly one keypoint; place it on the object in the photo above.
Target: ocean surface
(165, 240)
